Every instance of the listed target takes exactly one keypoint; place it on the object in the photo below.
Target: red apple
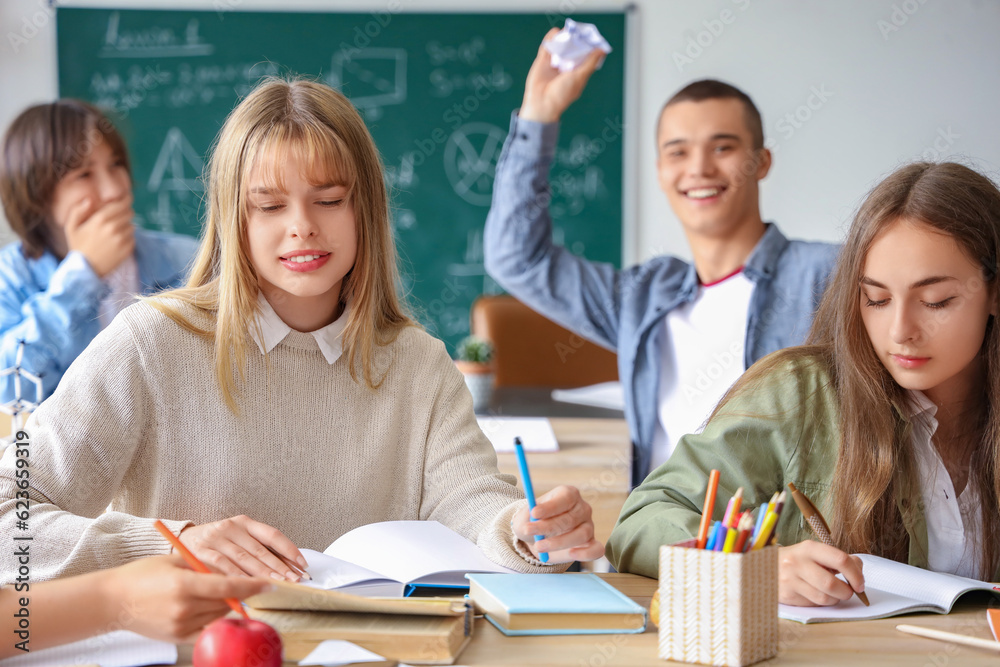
(237, 642)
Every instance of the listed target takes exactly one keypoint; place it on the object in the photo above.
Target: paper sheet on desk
(608, 395)
(535, 432)
(334, 652)
(115, 649)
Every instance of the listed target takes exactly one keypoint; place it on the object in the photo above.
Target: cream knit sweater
(139, 423)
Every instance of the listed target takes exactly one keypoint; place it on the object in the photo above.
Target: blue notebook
(555, 604)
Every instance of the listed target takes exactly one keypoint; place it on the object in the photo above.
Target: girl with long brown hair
(889, 417)
(283, 397)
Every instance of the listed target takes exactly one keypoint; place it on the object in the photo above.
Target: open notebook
(382, 559)
(893, 588)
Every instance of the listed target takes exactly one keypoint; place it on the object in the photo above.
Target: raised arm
(578, 294)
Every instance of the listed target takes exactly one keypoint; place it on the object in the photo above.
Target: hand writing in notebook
(240, 545)
(806, 575)
(564, 518)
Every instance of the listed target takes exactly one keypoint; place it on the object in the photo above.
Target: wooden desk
(595, 456)
(538, 402)
(841, 644)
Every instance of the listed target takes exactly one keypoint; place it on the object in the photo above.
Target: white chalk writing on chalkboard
(466, 52)
(176, 174)
(470, 161)
(372, 78)
(444, 83)
(152, 42)
(472, 264)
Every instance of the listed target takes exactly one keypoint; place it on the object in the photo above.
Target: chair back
(532, 351)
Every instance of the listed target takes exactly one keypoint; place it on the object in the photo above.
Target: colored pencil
(706, 512)
(744, 528)
(195, 564)
(956, 638)
(765, 531)
(734, 516)
(778, 506)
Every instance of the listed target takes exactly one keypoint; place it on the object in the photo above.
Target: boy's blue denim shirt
(53, 305)
(622, 309)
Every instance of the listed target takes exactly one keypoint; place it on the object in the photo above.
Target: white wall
(889, 81)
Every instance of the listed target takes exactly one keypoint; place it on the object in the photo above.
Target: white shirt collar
(274, 330)
(919, 404)
(954, 528)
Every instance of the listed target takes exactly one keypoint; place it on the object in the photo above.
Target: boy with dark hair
(683, 332)
(66, 189)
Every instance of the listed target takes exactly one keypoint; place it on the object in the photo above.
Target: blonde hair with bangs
(281, 115)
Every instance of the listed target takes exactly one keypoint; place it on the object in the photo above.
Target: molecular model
(19, 408)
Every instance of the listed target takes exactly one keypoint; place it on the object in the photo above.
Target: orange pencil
(195, 564)
(706, 512)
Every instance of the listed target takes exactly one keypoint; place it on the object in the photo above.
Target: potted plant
(474, 358)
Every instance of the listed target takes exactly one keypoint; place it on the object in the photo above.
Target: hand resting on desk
(564, 518)
(807, 575)
(239, 545)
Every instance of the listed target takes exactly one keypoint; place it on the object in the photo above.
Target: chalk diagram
(470, 161)
(473, 263)
(176, 181)
(371, 78)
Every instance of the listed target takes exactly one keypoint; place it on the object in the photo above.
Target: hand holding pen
(806, 570)
(559, 526)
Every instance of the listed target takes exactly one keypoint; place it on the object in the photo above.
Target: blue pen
(529, 491)
(713, 536)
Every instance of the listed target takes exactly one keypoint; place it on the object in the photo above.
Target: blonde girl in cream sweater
(283, 397)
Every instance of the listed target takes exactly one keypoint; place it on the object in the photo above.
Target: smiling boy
(684, 332)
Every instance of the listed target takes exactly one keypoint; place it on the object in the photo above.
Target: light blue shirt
(53, 306)
(623, 309)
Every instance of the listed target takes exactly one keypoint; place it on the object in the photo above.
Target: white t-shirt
(702, 344)
(954, 523)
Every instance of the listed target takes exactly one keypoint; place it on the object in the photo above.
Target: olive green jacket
(785, 430)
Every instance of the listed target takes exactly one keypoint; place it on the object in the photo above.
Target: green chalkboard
(436, 91)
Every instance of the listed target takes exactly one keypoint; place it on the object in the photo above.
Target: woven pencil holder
(718, 608)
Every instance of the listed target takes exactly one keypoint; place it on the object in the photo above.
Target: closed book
(416, 640)
(555, 604)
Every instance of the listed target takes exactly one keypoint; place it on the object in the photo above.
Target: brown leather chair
(533, 351)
